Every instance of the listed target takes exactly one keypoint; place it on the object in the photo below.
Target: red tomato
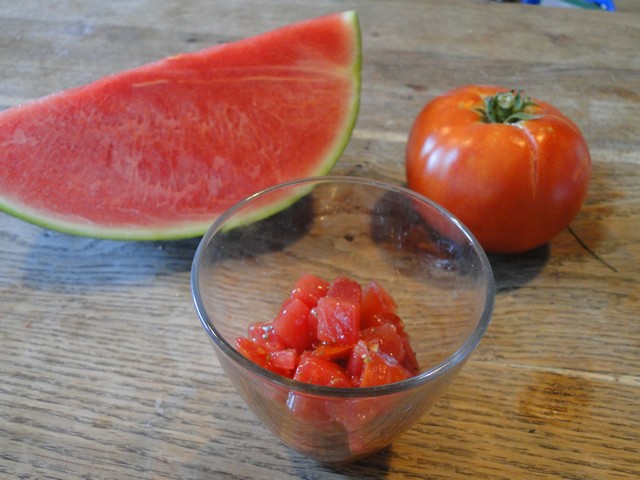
(384, 339)
(346, 289)
(338, 321)
(382, 318)
(253, 351)
(286, 359)
(410, 360)
(514, 170)
(311, 408)
(330, 351)
(380, 370)
(264, 335)
(376, 300)
(260, 356)
(292, 325)
(330, 343)
(309, 288)
(319, 371)
(359, 355)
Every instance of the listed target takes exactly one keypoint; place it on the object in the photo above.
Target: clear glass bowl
(436, 271)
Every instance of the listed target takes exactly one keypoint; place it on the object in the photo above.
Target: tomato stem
(507, 107)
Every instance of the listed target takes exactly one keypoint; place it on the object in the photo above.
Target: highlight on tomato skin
(321, 336)
(320, 371)
(514, 169)
(309, 288)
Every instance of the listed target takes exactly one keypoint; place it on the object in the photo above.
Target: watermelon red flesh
(161, 150)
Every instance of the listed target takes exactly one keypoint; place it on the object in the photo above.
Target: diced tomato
(254, 352)
(382, 318)
(292, 324)
(333, 334)
(319, 371)
(286, 359)
(333, 352)
(313, 324)
(376, 300)
(382, 369)
(345, 288)
(309, 288)
(384, 339)
(358, 414)
(310, 408)
(359, 355)
(410, 360)
(264, 335)
(338, 320)
(277, 362)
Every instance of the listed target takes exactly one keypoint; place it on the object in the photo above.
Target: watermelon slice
(159, 151)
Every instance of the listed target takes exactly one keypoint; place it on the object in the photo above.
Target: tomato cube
(292, 325)
(330, 351)
(338, 321)
(263, 334)
(384, 339)
(410, 360)
(382, 369)
(346, 289)
(376, 300)
(309, 289)
(280, 362)
(380, 319)
(319, 371)
(286, 359)
(313, 324)
(359, 355)
(254, 352)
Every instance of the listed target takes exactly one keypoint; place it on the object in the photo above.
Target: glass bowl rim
(457, 357)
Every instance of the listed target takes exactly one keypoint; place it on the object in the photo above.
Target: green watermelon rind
(196, 229)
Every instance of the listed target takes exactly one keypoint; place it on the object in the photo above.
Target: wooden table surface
(107, 373)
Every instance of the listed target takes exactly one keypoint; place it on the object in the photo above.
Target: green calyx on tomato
(506, 107)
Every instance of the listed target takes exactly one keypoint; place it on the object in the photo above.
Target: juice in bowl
(333, 375)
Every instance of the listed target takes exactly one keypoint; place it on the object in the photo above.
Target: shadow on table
(375, 466)
(58, 261)
(514, 271)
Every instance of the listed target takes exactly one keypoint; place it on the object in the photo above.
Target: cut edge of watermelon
(178, 231)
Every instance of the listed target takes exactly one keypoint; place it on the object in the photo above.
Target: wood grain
(107, 372)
